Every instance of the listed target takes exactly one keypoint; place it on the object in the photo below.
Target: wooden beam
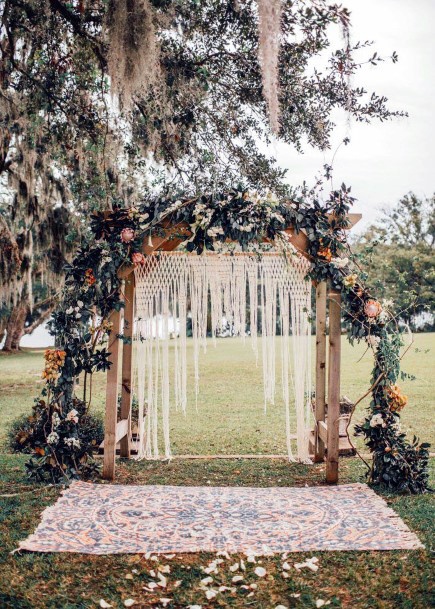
(333, 387)
(127, 352)
(122, 431)
(111, 400)
(166, 243)
(169, 241)
(323, 431)
(319, 454)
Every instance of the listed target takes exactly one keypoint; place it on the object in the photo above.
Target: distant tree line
(397, 253)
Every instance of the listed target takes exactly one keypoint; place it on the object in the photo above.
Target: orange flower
(325, 252)
(89, 277)
(54, 360)
(398, 400)
(372, 308)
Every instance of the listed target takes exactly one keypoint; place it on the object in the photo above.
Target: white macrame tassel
(228, 283)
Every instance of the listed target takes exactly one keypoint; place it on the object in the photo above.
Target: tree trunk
(15, 326)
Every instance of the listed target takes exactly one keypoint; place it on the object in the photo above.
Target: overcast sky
(385, 160)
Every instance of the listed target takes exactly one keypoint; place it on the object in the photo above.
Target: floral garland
(93, 288)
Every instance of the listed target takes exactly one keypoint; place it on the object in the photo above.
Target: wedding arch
(275, 246)
(155, 288)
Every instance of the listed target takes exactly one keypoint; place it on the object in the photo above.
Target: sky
(386, 160)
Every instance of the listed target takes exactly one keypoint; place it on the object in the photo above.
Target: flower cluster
(89, 278)
(397, 399)
(54, 360)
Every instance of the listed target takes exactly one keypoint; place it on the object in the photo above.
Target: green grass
(230, 419)
(357, 580)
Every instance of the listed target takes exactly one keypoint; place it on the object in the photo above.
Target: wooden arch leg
(127, 353)
(319, 448)
(333, 387)
(111, 417)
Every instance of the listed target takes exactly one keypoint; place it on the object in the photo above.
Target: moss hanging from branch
(133, 57)
(269, 26)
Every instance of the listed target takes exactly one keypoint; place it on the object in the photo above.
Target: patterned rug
(111, 519)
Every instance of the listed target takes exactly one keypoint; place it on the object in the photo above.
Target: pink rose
(127, 235)
(138, 258)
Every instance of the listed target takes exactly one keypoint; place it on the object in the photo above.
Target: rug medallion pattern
(110, 519)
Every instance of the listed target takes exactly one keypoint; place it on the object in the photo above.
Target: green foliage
(398, 252)
(246, 218)
(22, 433)
(62, 441)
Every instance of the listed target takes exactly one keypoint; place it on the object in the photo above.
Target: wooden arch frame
(327, 382)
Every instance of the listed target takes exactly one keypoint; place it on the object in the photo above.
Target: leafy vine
(93, 289)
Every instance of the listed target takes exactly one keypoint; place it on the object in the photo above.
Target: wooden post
(127, 351)
(319, 449)
(111, 417)
(333, 386)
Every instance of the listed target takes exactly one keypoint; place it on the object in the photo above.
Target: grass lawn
(229, 420)
(357, 580)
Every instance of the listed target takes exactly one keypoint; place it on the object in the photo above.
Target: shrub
(29, 434)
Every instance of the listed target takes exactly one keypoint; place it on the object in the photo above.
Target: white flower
(55, 419)
(69, 311)
(129, 602)
(53, 438)
(72, 416)
(372, 340)
(383, 316)
(340, 263)
(376, 420)
(237, 579)
(387, 303)
(74, 442)
(103, 604)
(207, 580)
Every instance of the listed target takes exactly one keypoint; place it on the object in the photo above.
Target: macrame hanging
(278, 295)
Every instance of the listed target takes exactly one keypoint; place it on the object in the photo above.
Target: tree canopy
(102, 102)
(398, 252)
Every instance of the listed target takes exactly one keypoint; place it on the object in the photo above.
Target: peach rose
(138, 258)
(127, 235)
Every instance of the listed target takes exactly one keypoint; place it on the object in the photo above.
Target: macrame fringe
(226, 286)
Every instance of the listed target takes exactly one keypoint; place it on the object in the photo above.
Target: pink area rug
(111, 519)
